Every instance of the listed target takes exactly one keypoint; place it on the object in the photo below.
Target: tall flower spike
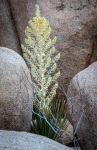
(41, 57)
(38, 11)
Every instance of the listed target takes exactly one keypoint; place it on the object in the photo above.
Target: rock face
(16, 94)
(11, 140)
(72, 21)
(8, 32)
(22, 12)
(14, 16)
(82, 103)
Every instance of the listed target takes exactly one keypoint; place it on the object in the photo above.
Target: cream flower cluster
(41, 57)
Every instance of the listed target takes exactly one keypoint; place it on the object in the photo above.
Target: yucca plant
(41, 57)
(55, 124)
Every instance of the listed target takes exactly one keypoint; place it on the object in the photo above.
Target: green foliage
(41, 58)
(54, 124)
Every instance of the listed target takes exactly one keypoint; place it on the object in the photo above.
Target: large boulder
(11, 140)
(8, 32)
(16, 94)
(82, 104)
(72, 21)
(22, 11)
(14, 17)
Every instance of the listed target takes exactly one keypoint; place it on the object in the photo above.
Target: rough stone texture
(14, 17)
(16, 92)
(82, 104)
(8, 33)
(74, 24)
(22, 12)
(11, 140)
